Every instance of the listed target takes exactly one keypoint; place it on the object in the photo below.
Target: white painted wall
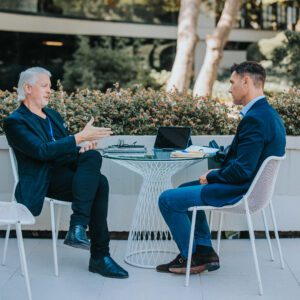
(125, 184)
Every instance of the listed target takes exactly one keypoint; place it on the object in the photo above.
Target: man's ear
(246, 81)
(27, 88)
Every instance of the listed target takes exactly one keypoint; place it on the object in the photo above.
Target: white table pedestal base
(150, 242)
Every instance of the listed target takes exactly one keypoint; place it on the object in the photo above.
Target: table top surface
(154, 155)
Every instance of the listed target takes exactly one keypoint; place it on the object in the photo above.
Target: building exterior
(44, 32)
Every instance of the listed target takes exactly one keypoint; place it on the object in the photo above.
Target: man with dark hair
(253, 69)
(260, 134)
(53, 163)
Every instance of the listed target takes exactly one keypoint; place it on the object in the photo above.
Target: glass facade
(20, 50)
(237, 46)
(265, 14)
(137, 11)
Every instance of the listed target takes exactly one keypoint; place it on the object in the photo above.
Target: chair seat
(235, 208)
(60, 202)
(12, 213)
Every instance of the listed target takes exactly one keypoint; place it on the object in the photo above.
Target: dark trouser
(82, 184)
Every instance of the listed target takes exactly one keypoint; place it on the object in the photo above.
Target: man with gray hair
(51, 163)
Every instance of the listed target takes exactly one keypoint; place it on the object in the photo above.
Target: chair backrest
(261, 191)
(14, 166)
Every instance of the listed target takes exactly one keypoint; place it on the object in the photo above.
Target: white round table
(150, 242)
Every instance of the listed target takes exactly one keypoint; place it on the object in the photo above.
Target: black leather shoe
(200, 262)
(106, 266)
(76, 237)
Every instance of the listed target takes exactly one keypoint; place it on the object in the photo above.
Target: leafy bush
(280, 56)
(96, 67)
(288, 106)
(139, 111)
(287, 56)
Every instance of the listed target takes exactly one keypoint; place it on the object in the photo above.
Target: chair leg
(188, 269)
(211, 217)
(58, 221)
(23, 258)
(252, 239)
(219, 232)
(268, 235)
(54, 244)
(6, 244)
(277, 235)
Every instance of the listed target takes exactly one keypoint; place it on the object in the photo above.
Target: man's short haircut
(29, 76)
(251, 68)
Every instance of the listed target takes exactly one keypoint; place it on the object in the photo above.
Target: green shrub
(287, 56)
(99, 67)
(140, 111)
(280, 56)
(288, 106)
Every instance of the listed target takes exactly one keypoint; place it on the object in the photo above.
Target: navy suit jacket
(260, 134)
(35, 154)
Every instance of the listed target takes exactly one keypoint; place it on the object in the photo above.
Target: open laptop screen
(173, 138)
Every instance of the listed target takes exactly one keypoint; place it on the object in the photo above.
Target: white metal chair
(55, 226)
(12, 213)
(255, 200)
(52, 203)
(221, 217)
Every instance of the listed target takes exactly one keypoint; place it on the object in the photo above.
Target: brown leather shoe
(165, 267)
(200, 263)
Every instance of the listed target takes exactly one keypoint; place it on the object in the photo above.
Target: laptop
(172, 138)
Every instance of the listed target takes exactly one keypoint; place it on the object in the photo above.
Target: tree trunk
(186, 42)
(297, 27)
(215, 44)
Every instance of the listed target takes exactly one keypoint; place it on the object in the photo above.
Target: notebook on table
(195, 151)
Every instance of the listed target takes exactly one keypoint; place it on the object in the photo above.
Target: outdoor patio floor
(235, 280)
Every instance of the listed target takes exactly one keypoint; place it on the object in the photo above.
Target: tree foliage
(287, 56)
(100, 67)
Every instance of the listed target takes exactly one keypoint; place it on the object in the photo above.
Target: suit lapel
(31, 122)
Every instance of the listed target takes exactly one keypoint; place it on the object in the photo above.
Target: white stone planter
(124, 187)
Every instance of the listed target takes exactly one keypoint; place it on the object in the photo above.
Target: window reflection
(138, 11)
(266, 14)
(54, 51)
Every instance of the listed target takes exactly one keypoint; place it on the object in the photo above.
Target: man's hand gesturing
(91, 133)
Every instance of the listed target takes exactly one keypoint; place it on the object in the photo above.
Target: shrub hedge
(139, 111)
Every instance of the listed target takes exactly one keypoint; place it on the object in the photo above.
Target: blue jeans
(174, 204)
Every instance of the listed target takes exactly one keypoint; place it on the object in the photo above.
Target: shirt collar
(247, 107)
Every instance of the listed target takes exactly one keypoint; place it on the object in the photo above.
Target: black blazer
(35, 154)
